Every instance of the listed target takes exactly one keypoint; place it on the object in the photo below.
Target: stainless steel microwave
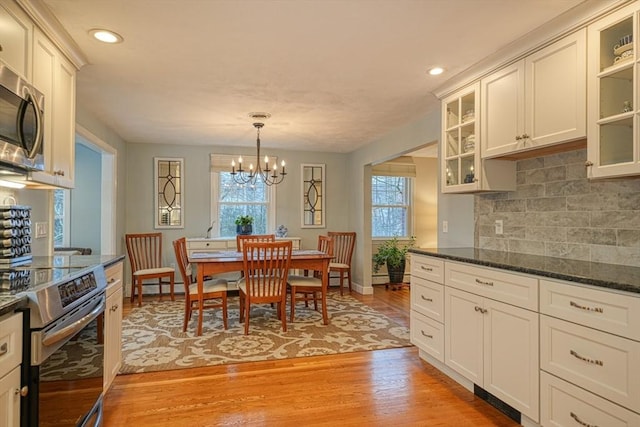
(21, 123)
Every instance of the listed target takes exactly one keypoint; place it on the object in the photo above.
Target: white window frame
(215, 183)
(409, 206)
(66, 218)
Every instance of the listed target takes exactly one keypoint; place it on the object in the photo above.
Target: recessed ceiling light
(436, 71)
(106, 36)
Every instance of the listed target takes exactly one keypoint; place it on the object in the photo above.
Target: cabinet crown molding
(573, 20)
(46, 21)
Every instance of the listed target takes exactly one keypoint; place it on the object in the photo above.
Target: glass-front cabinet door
(613, 148)
(460, 151)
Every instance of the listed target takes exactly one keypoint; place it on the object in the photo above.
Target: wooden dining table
(210, 263)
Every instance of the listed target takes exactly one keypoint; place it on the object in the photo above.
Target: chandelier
(268, 175)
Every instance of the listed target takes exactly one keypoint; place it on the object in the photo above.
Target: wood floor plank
(373, 388)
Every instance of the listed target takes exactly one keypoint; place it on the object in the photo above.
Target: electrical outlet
(499, 226)
(445, 226)
(41, 229)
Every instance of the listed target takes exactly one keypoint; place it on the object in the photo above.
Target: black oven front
(67, 368)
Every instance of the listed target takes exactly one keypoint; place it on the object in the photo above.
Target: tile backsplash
(556, 211)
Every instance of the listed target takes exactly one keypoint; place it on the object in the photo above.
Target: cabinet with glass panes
(462, 169)
(613, 147)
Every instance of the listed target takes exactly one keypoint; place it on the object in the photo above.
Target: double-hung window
(391, 206)
(230, 200)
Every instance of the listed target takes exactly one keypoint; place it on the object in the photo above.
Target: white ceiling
(334, 74)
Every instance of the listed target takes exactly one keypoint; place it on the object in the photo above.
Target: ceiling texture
(334, 74)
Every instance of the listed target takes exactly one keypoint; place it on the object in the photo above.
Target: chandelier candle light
(269, 176)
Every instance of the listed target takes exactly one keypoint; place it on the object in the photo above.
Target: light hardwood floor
(373, 388)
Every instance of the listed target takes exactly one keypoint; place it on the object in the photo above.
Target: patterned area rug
(153, 339)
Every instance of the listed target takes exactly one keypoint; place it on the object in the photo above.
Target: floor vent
(510, 412)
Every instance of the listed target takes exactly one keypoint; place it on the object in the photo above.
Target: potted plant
(393, 254)
(244, 224)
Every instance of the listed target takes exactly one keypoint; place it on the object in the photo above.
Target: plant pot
(396, 274)
(244, 229)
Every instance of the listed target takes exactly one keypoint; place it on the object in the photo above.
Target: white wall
(456, 209)
(425, 202)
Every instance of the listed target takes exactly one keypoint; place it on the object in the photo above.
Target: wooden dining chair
(214, 293)
(145, 257)
(266, 266)
(306, 288)
(241, 239)
(343, 244)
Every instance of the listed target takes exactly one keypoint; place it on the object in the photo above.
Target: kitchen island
(549, 341)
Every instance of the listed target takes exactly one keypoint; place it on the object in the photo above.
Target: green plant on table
(244, 220)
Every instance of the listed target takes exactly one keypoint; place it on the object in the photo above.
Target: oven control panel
(76, 288)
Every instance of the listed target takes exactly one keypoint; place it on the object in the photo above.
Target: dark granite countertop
(621, 277)
(11, 302)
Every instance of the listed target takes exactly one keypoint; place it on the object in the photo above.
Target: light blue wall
(106, 135)
(197, 198)
(86, 200)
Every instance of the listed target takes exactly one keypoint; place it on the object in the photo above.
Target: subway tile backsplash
(556, 211)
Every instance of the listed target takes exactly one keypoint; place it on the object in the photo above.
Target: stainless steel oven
(66, 367)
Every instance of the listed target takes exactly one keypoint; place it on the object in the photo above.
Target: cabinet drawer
(427, 268)
(603, 363)
(10, 343)
(428, 335)
(514, 289)
(210, 244)
(114, 277)
(427, 298)
(607, 311)
(563, 404)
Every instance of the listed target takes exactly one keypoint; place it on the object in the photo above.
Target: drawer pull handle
(480, 282)
(480, 309)
(586, 359)
(426, 299)
(579, 421)
(584, 307)
(426, 268)
(426, 335)
(4, 349)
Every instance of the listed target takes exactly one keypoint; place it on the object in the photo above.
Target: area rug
(153, 339)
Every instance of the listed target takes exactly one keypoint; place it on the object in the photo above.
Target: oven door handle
(72, 329)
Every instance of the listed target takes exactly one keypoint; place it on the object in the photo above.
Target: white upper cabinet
(537, 101)
(55, 77)
(613, 148)
(15, 39)
(461, 166)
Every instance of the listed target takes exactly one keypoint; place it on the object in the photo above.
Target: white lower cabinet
(589, 355)
(10, 360)
(113, 324)
(494, 345)
(564, 404)
(427, 306)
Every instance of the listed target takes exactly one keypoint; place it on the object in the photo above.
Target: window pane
(389, 222)
(388, 190)
(390, 206)
(235, 200)
(58, 218)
